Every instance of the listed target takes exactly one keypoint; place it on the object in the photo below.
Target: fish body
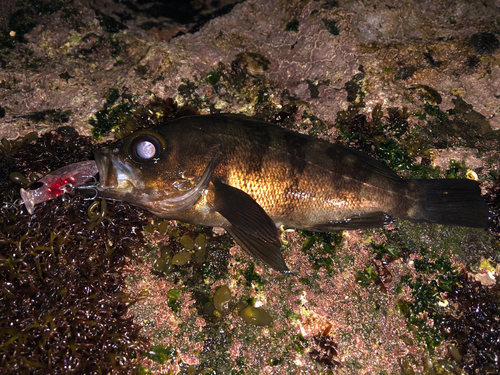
(250, 176)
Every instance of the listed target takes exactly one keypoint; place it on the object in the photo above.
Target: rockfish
(250, 177)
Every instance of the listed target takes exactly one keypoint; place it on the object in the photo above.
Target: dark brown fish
(250, 176)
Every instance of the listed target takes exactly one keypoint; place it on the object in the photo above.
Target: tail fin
(450, 202)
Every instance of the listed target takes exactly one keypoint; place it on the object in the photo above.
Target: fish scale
(302, 197)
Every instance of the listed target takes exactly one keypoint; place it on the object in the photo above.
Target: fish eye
(145, 147)
(145, 150)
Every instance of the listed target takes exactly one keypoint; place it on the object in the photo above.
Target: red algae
(366, 330)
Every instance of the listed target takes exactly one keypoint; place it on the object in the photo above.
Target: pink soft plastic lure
(58, 182)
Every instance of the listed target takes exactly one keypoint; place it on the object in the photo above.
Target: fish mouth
(114, 177)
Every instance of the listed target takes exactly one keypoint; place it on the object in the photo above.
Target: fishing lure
(58, 182)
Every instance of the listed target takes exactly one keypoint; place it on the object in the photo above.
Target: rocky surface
(425, 75)
(69, 55)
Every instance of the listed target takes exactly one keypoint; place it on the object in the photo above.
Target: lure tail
(450, 202)
(58, 182)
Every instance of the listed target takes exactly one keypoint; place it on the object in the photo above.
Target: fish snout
(116, 174)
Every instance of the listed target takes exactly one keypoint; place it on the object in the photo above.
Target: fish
(251, 177)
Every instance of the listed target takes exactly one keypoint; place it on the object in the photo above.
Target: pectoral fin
(268, 252)
(250, 225)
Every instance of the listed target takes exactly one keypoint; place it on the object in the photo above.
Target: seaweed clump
(474, 326)
(437, 276)
(325, 247)
(63, 307)
(325, 350)
(123, 115)
(493, 198)
(485, 43)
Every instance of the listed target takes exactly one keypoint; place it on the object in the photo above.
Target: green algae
(383, 249)
(397, 159)
(187, 242)
(213, 77)
(204, 254)
(181, 258)
(127, 116)
(321, 248)
(256, 316)
(469, 326)
(173, 300)
(436, 275)
(108, 118)
(19, 178)
(298, 344)
(426, 295)
(252, 278)
(367, 276)
(456, 169)
(200, 242)
(209, 308)
(222, 298)
(379, 134)
(434, 111)
(243, 88)
(161, 354)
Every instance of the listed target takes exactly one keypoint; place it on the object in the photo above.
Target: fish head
(149, 170)
(132, 167)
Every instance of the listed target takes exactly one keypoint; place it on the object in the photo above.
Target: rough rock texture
(329, 68)
(74, 54)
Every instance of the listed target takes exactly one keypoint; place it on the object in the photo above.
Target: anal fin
(372, 220)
